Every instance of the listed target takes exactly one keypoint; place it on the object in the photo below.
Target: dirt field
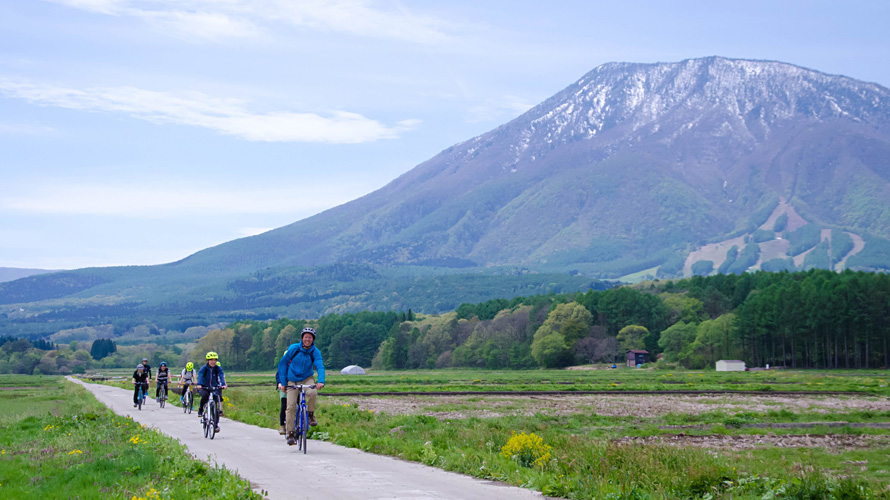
(609, 405)
(832, 442)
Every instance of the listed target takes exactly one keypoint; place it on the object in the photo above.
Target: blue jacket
(206, 375)
(297, 364)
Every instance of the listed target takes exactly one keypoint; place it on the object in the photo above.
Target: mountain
(652, 169)
(14, 273)
(629, 160)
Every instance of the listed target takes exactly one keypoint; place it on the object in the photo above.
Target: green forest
(812, 319)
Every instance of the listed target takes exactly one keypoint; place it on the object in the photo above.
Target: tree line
(812, 319)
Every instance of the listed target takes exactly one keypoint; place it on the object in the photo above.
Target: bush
(762, 235)
(527, 449)
(703, 268)
(781, 223)
(803, 239)
(778, 265)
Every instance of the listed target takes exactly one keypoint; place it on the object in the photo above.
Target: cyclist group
(296, 368)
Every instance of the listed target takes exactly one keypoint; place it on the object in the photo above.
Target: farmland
(790, 434)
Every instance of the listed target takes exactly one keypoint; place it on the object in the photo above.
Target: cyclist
(140, 379)
(210, 375)
(161, 379)
(187, 379)
(296, 368)
(282, 395)
(146, 367)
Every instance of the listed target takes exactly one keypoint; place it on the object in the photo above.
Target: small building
(637, 357)
(353, 370)
(730, 365)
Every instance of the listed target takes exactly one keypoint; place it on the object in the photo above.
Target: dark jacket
(147, 370)
(140, 379)
(211, 376)
(298, 362)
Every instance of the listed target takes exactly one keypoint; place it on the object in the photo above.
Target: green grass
(874, 382)
(59, 442)
(590, 458)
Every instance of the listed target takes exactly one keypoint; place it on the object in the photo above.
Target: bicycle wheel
(163, 400)
(204, 423)
(211, 415)
(190, 401)
(304, 423)
(139, 399)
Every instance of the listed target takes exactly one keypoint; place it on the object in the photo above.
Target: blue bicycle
(140, 397)
(301, 422)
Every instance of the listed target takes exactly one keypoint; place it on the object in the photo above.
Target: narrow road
(327, 472)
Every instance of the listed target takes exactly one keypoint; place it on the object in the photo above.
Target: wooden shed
(730, 365)
(636, 357)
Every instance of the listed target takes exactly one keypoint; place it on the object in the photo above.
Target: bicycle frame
(301, 422)
(210, 420)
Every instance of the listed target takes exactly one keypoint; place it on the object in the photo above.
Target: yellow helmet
(211, 355)
(189, 366)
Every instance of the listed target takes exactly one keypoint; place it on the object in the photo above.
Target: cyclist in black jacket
(140, 379)
(161, 379)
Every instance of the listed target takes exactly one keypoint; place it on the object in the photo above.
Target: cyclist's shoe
(291, 440)
(312, 420)
(134, 405)
(216, 429)
(281, 430)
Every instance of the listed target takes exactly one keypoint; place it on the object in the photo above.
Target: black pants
(136, 391)
(158, 389)
(205, 396)
(283, 411)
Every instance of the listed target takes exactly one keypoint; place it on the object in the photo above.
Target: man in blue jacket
(210, 377)
(297, 367)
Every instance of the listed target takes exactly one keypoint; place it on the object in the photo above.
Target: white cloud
(224, 115)
(175, 199)
(215, 19)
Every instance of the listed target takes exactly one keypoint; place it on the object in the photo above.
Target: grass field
(614, 445)
(57, 441)
(775, 434)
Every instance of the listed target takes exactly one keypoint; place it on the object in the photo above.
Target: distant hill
(701, 166)
(14, 273)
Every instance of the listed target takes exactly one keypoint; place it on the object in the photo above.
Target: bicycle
(187, 399)
(210, 418)
(140, 397)
(301, 422)
(163, 395)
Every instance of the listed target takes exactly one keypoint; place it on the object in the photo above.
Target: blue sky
(138, 132)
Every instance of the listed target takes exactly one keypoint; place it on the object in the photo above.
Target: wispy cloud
(174, 200)
(215, 20)
(25, 129)
(224, 115)
(492, 110)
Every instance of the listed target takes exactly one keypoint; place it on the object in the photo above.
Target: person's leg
(281, 414)
(205, 395)
(311, 399)
(135, 394)
(293, 397)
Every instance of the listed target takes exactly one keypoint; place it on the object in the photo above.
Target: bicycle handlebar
(300, 386)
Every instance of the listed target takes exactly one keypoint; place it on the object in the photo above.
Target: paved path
(328, 472)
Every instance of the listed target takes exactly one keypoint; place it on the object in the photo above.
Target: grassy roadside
(57, 441)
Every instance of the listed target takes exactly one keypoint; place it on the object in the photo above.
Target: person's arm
(282, 370)
(200, 374)
(319, 366)
(222, 378)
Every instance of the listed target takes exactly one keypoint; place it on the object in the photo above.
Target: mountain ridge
(631, 167)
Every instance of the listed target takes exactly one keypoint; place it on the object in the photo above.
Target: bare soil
(834, 443)
(611, 405)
